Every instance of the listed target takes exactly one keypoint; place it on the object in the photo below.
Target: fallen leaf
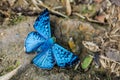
(72, 44)
(118, 16)
(103, 63)
(86, 62)
(91, 46)
(68, 7)
(98, 1)
(113, 54)
(21, 3)
(101, 18)
(110, 64)
(113, 67)
(116, 2)
(11, 2)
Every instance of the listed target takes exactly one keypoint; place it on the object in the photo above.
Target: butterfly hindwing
(44, 60)
(42, 24)
(49, 53)
(33, 41)
(63, 57)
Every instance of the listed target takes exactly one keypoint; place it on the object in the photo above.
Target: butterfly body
(46, 45)
(49, 52)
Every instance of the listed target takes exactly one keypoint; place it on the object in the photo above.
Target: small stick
(88, 19)
(77, 65)
(5, 13)
(10, 74)
(79, 15)
(35, 4)
(103, 57)
(53, 11)
(68, 7)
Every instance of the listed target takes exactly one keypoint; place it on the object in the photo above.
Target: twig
(35, 4)
(95, 21)
(103, 57)
(115, 30)
(51, 10)
(68, 7)
(5, 13)
(10, 74)
(79, 15)
(58, 7)
(77, 65)
(88, 19)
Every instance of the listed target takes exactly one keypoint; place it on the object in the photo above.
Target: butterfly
(48, 51)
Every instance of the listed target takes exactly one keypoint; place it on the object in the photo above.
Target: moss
(16, 20)
(89, 9)
(10, 68)
(17, 63)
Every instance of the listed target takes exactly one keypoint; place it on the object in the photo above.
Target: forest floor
(86, 27)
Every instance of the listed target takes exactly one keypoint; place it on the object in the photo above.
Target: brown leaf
(98, 1)
(119, 17)
(103, 63)
(113, 54)
(100, 18)
(116, 2)
(91, 46)
(11, 2)
(68, 7)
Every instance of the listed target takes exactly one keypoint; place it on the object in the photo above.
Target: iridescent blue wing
(44, 60)
(42, 24)
(33, 41)
(63, 57)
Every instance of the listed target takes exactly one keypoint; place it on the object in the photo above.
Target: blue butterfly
(49, 52)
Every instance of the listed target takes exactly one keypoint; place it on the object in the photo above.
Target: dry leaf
(103, 63)
(11, 2)
(116, 2)
(91, 46)
(72, 44)
(22, 4)
(110, 64)
(113, 67)
(68, 7)
(98, 1)
(101, 18)
(113, 54)
(119, 17)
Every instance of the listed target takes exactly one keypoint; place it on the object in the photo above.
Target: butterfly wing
(44, 60)
(63, 57)
(33, 41)
(42, 24)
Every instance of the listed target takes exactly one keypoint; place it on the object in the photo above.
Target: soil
(15, 26)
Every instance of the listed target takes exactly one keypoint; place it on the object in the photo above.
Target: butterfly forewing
(63, 57)
(42, 24)
(49, 53)
(44, 60)
(33, 41)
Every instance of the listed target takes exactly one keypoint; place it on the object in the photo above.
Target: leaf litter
(82, 25)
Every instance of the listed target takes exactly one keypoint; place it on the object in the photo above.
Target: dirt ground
(96, 22)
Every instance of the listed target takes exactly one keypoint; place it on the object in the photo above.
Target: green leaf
(86, 62)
